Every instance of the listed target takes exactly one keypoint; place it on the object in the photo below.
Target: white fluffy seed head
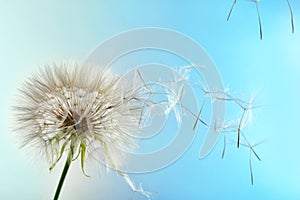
(79, 109)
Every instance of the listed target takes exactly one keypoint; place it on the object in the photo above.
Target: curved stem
(63, 176)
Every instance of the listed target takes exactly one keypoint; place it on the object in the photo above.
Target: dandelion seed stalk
(63, 176)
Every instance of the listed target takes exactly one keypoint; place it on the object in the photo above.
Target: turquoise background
(36, 32)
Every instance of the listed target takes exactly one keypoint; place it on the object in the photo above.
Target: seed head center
(76, 122)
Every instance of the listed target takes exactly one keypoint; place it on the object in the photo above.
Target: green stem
(63, 176)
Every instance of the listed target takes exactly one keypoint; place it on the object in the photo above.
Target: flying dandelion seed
(232, 6)
(259, 18)
(258, 15)
(80, 111)
(251, 151)
(291, 16)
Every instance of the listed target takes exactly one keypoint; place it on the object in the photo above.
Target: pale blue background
(35, 33)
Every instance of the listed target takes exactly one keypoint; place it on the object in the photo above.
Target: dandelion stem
(63, 176)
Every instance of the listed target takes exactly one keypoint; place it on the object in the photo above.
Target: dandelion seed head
(81, 109)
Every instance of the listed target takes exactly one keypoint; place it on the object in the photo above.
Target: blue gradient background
(34, 33)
